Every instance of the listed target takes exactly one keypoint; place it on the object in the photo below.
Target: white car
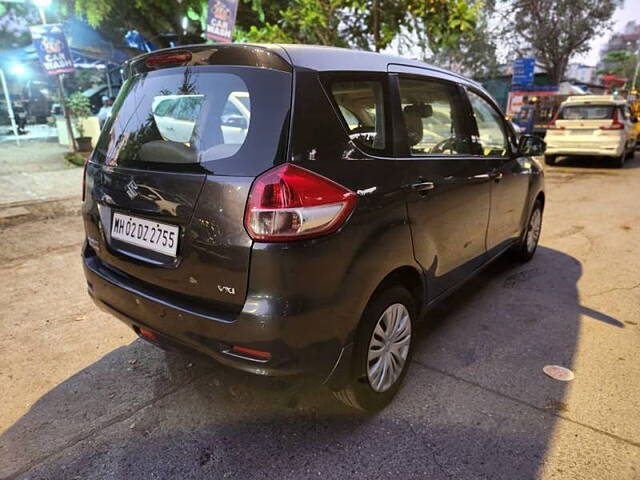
(176, 115)
(592, 125)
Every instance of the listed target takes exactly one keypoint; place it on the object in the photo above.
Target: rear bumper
(261, 326)
(610, 150)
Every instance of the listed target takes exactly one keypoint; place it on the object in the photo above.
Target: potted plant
(80, 109)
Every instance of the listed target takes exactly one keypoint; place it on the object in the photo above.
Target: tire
(526, 247)
(368, 390)
(630, 153)
(618, 162)
(549, 159)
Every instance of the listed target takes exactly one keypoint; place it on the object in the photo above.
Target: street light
(18, 70)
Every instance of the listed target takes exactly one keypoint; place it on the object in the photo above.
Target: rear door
(167, 186)
(510, 174)
(447, 188)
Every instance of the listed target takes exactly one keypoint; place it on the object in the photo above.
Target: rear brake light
(291, 203)
(616, 124)
(167, 59)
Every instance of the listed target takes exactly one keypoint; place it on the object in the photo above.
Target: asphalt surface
(83, 398)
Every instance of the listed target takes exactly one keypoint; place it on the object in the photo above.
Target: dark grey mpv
(293, 210)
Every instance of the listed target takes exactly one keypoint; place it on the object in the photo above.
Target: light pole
(9, 107)
(42, 4)
(635, 75)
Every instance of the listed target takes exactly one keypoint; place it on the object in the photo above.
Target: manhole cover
(559, 373)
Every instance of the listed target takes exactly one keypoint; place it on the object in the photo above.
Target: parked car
(359, 196)
(592, 125)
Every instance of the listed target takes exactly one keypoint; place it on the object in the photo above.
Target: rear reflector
(148, 334)
(291, 203)
(250, 352)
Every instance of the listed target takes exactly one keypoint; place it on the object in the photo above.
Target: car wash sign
(52, 48)
(221, 19)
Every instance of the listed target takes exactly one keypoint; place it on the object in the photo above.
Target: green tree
(555, 30)
(368, 24)
(619, 62)
(152, 18)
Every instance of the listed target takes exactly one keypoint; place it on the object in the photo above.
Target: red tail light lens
(291, 203)
(616, 124)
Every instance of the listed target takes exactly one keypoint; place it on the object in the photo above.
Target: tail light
(552, 124)
(291, 203)
(616, 124)
(84, 179)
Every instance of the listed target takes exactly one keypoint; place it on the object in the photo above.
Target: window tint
(492, 138)
(361, 104)
(433, 117)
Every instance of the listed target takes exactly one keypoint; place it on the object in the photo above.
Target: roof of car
(323, 58)
(584, 99)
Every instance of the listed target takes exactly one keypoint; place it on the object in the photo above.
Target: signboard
(523, 70)
(221, 19)
(52, 48)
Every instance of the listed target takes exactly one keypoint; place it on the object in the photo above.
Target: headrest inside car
(421, 110)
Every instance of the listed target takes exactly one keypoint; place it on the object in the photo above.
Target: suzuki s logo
(227, 290)
(132, 189)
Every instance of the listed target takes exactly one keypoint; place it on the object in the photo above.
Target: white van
(592, 125)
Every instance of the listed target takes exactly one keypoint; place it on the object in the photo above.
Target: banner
(221, 19)
(52, 48)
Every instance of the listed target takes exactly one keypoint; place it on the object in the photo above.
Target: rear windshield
(587, 112)
(232, 119)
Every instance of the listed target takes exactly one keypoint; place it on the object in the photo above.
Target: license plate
(154, 236)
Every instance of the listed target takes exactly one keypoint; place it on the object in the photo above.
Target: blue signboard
(523, 70)
(52, 48)
(221, 19)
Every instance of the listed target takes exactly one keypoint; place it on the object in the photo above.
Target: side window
(361, 104)
(433, 117)
(492, 137)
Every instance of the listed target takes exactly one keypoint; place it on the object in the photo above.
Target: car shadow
(596, 162)
(475, 403)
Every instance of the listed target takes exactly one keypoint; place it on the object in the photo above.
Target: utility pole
(376, 26)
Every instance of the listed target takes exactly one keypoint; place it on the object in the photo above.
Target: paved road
(82, 398)
(36, 171)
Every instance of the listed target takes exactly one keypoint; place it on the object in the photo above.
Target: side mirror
(531, 146)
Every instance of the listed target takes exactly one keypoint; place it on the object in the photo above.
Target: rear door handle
(422, 186)
(497, 176)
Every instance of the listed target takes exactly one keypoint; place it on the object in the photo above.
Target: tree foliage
(555, 30)
(619, 62)
(367, 24)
